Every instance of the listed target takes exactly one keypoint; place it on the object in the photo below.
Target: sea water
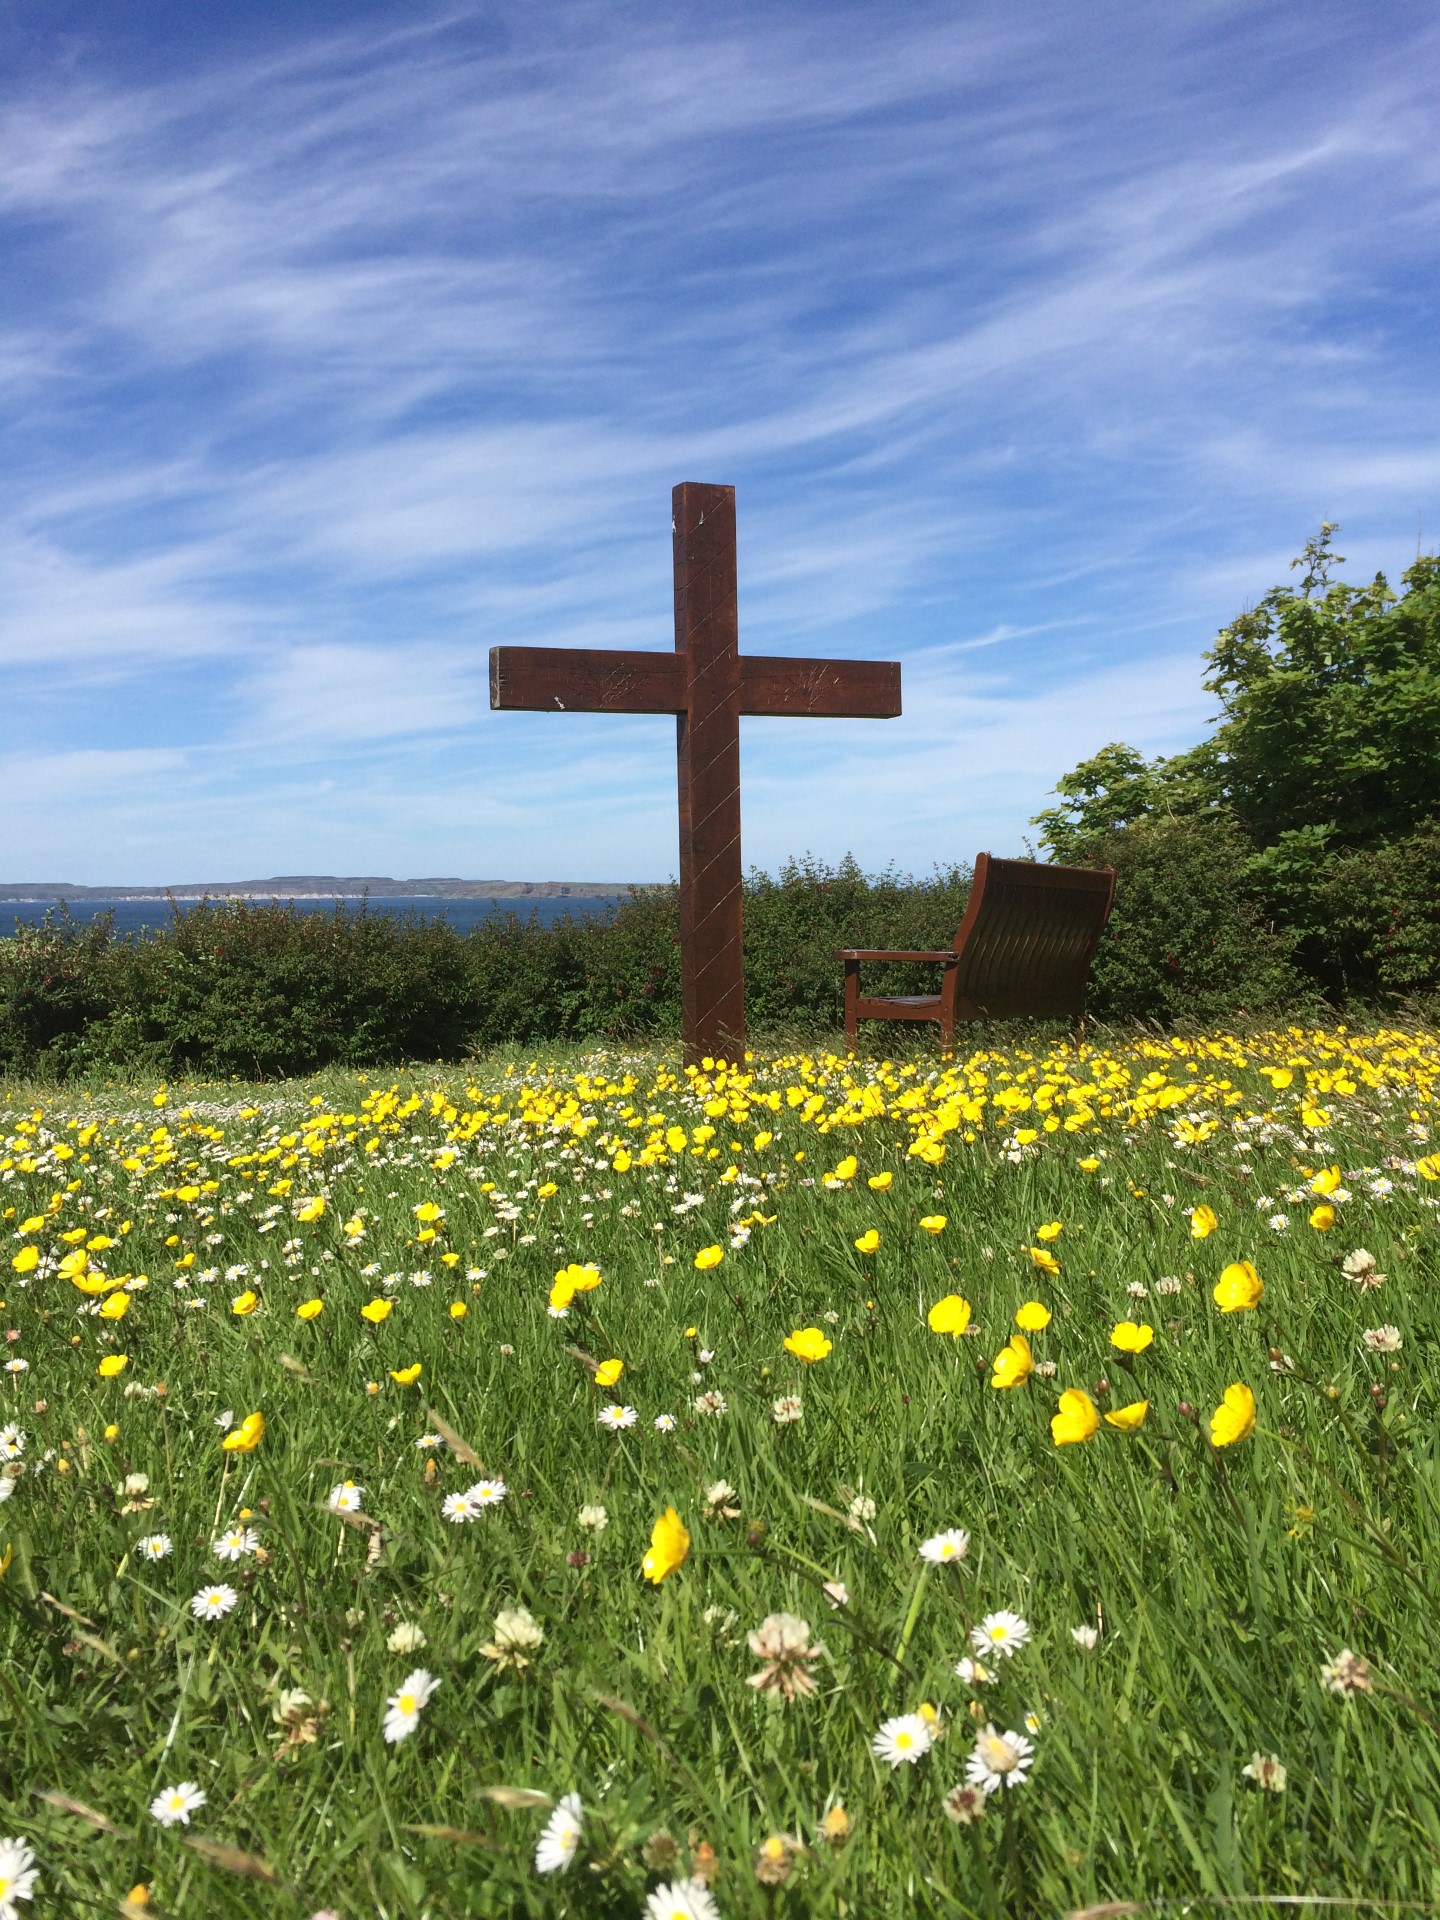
(146, 916)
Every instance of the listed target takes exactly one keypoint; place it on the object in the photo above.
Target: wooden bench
(1023, 950)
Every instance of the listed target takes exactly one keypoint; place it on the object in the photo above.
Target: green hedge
(229, 987)
(263, 990)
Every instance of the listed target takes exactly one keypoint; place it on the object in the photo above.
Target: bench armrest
(869, 953)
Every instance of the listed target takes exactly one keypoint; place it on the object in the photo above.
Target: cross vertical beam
(707, 738)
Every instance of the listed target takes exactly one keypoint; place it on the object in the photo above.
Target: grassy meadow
(986, 1487)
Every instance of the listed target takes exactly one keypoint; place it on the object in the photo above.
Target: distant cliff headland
(324, 886)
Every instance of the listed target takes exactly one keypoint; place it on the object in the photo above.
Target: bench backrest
(1028, 938)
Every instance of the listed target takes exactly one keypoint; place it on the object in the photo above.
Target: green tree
(1328, 737)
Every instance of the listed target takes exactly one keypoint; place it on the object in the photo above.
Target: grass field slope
(991, 1486)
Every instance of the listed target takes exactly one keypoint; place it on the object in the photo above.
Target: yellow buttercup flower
(26, 1260)
(406, 1376)
(376, 1310)
(1092, 1165)
(308, 1309)
(1052, 1230)
(1077, 1419)
(1238, 1288)
(113, 1364)
(247, 1436)
(847, 1168)
(547, 1192)
(311, 1209)
(934, 1222)
(244, 1303)
(1203, 1222)
(622, 1162)
(608, 1372)
(1322, 1218)
(1013, 1365)
(950, 1315)
(1429, 1167)
(116, 1307)
(72, 1265)
(1033, 1317)
(880, 1182)
(1234, 1418)
(1128, 1419)
(1327, 1180)
(868, 1242)
(458, 1309)
(808, 1344)
(577, 1279)
(1127, 1337)
(709, 1257)
(669, 1544)
(1045, 1260)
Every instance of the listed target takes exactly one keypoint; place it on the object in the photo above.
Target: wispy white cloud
(1030, 342)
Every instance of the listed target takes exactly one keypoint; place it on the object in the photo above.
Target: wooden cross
(707, 684)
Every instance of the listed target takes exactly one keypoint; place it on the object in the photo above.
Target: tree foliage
(1325, 755)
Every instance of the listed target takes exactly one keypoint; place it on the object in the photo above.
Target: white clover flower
(406, 1638)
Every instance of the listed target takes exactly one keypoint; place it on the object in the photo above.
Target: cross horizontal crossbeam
(598, 680)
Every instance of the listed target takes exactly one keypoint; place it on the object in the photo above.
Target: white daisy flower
(681, 1900)
(664, 1423)
(346, 1498)
(617, 1416)
(155, 1546)
(953, 1544)
(174, 1804)
(402, 1709)
(902, 1740)
(12, 1442)
(488, 1493)
(235, 1543)
(428, 1441)
(17, 1366)
(999, 1760)
(1003, 1632)
(973, 1673)
(1084, 1638)
(561, 1837)
(213, 1603)
(17, 1875)
(7, 1487)
(460, 1507)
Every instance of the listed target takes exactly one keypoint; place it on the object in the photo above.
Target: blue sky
(339, 343)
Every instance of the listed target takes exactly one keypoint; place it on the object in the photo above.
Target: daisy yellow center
(4, 1885)
(904, 1741)
(998, 1633)
(406, 1703)
(1000, 1754)
(947, 1552)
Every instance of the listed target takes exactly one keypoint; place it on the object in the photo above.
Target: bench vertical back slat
(1028, 938)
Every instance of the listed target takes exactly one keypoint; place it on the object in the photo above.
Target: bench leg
(852, 1003)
